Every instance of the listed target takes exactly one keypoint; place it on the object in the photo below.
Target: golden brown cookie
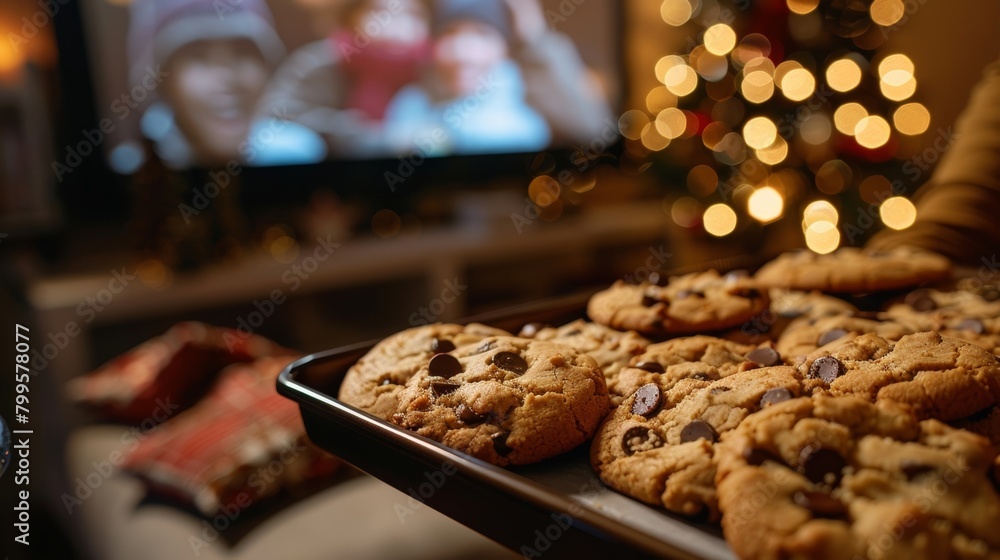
(787, 306)
(506, 400)
(694, 303)
(936, 377)
(658, 445)
(803, 336)
(838, 477)
(851, 270)
(374, 382)
(611, 348)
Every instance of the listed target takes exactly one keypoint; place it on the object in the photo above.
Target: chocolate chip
(791, 313)
(531, 329)
(920, 300)
(718, 390)
(443, 388)
(702, 376)
(829, 336)
(821, 504)
(697, 429)
(826, 368)
(989, 292)
(684, 294)
(440, 346)
(469, 416)
(913, 469)
(821, 465)
(444, 365)
(573, 332)
(775, 396)
(651, 367)
(757, 457)
(647, 399)
(649, 301)
(974, 325)
(765, 356)
(511, 362)
(500, 444)
(640, 439)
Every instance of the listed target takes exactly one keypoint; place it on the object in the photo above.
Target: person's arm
(958, 210)
(557, 82)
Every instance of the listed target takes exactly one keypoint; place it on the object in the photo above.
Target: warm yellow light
(659, 98)
(784, 68)
(681, 80)
(817, 211)
(757, 87)
(759, 132)
(652, 139)
(711, 67)
(872, 132)
(886, 12)
(544, 190)
(899, 92)
(665, 64)
(720, 39)
(798, 84)
(751, 47)
(895, 62)
(765, 204)
(843, 75)
(847, 117)
(775, 153)
(675, 12)
(671, 123)
(630, 124)
(802, 6)
(898, 212)
(912, 119)
(719, 220)
(822, 237)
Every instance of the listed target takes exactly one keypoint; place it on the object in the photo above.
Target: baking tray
(557, 508)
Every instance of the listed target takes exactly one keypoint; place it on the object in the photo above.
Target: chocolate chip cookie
(804, 335)
(611, 348)
(694, 303)
(695, 357)
(852, 270)
(374, 382)
(788, 306)
(658, 446)
(506, 400)
(838, 477)
(959, 314)
(936, 377)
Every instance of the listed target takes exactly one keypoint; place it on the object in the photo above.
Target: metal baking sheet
(556, 508)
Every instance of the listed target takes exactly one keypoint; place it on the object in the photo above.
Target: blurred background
(380, 165)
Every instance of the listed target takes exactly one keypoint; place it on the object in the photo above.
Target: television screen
(284, 82)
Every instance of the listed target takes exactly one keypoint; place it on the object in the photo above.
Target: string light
(817, 211)
(847, 117)
(630, 124)
(798, 84)
(681, 80)
(671, 123)
(898, 213)
(802, 7)
(912, 119)
(720, 39)
(775, 153)
(720, 220)
(759, 132)
(765, 204)
(843, 75)
(887, 12)
(872, 132)
(822, 237)
(676, 12)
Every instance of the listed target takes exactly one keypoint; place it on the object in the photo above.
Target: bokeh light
(681, 80)
(676, 12)
(817, 211)
(775, 153)
(759, 132)
(713, 134)
(898, 212)
(659, 98)
(544, 191)
(671, 123)
(872, 132)
(802, 6)
(702, 180)
(765, 204)
(686, 212)
(798, 84)
(833, 177)
(631, 122)
(665, 64)
(894, 89)
(652, 140)
(154, 274)
(843, 75)
(912, 119)
(719, 220)
(874, 189)
(847, 117)
(822, 237)
(750, 47)
(757, 87)
(720, 39)
(730, 150)
(816, 129)
(895, 62)
(710, 66)
(887, 12)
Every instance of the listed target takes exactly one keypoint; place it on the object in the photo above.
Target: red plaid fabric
(167, 373)
(242, 443)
